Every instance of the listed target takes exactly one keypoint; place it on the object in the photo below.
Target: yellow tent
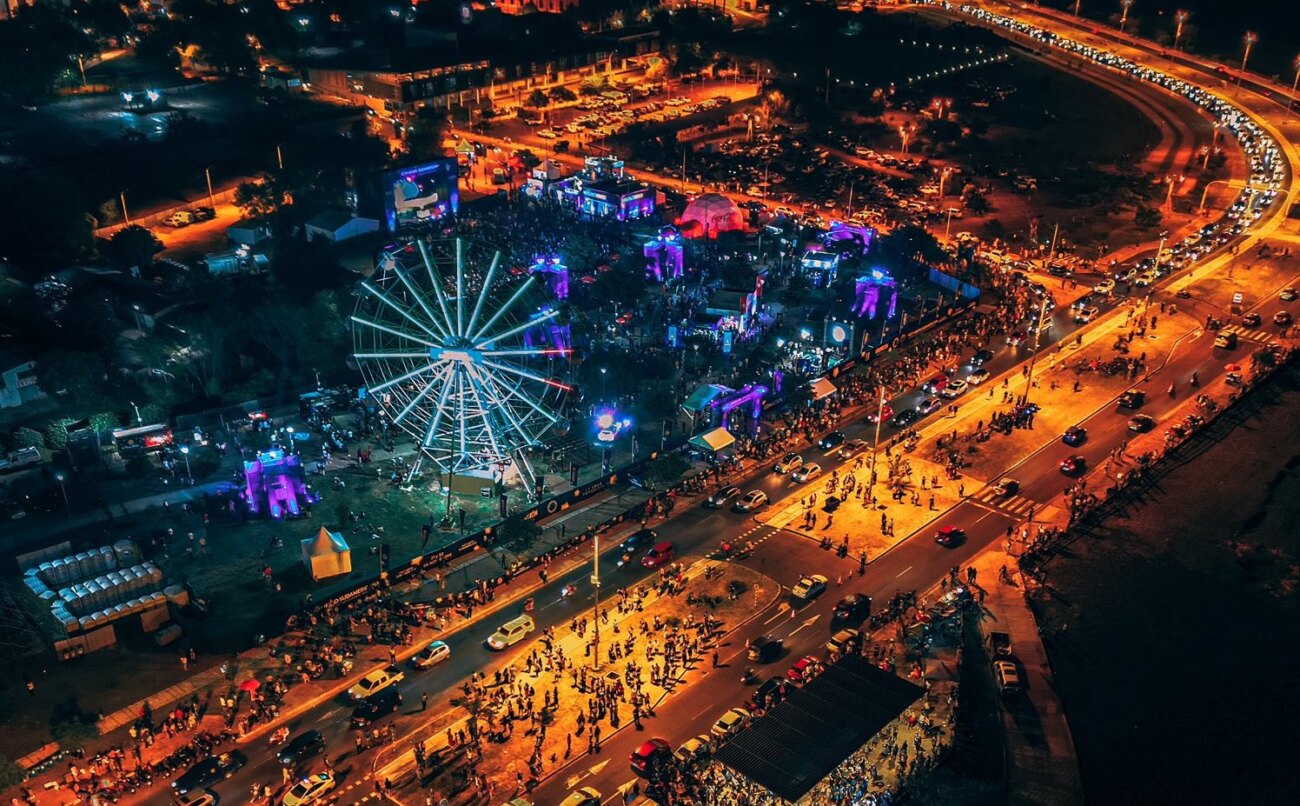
(326, 555)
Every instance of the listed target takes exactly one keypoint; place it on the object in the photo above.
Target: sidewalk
(1042, 765)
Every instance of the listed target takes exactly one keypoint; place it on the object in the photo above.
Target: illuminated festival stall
(664, 255)
(710, 214)
(602, 189)
(274, 485)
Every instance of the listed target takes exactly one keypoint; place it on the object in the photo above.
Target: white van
(511, 633)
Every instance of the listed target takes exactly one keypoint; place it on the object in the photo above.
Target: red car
(1072, 465)
(950, 536)
(649, 760)
(800, 671)
(659, 554)
(887, 412)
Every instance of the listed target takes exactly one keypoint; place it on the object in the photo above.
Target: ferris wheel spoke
(510, 303)
(435, 280)
(384, 356)
(403, 312)
(392, 331)
(502, 404)
(519, 328)
(403, 378)
(431, 431)
(517, 391)
(421, 395)
(460, 291)
(537, 351)
(419, 298)
(484, 292)
(485, 413)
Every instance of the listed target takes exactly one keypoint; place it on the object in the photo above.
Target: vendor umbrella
(251, 684)
(1232, 368)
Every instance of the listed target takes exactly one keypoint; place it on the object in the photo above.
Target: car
(374, 681)
(724, 497)
(639, 540)
(1087, 314)
(179, 219)
(1073, 465)
(732, 721)
(1075, 435)
(1007, 675)
(511, 633)
(831, 440)
(935, 384)
(498, 176)
(1141, 423)
(1251, 320)
(803, 668)
(209, 771)
(764, 648)
(1016, 337)
(693, 751)
(851, 448)
(885, 412)
(788, 463)
(954, 389)
(1132, 399)
(806, 473)
(436, 652)
(1282, 318)
(753, 501)
(950, 536)
(303, 746)
(548, 134)
(309, 790)
(650, 759)
(845, 641)
(809, 587)
(768, 692)
(1288, 294)
(1226, 341)
(977, 377)
(203, 213)
(381, 703)
(586, 796)
(905, 418)
(929, 405)
(197, 797)
(981, 357)
(1007, 486)
(1106, 286)
(659, 554)
(852, 609)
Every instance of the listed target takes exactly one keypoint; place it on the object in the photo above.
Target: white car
(852, 448)
(810, 587)
(753, 501)
(548, 134)
(789, 462)
(1008, 676)
(929, 405)
(954, 389)
(311, 789)
(1105, 286)
(436, 652)
(374, 681)
(730, 722)
(976, 377)
(806, 472)
(1087, 314)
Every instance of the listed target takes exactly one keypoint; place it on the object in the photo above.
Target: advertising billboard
(419, 193)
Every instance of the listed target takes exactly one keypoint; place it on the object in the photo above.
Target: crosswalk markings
(1015, 504)
(1248, 334)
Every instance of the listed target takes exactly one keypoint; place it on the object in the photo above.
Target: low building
(248, 232)
(603, 190)
(339, 225)
(18, 380)
(540, 6)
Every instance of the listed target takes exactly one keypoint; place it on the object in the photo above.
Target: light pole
(602, 383)
(595, 584)
(1123, 17)
(1038, 331)
(875, 449)
(905, 136)
(126, 215)
(1250, 39)
(1171, 181)
(1180, 19)
(67, 508)
(185, 451)
(943, 179)
(948, 225)
(1160, 248)
(135, 309)
(212, 201)
(1077, 3)
(1295, 82)
(138, 419)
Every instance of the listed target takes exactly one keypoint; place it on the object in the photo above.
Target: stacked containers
(126, 552)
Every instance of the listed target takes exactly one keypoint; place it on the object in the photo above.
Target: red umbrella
(251, 684)
(1232, 368)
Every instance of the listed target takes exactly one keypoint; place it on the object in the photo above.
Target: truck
(998, 645)
(20, 459)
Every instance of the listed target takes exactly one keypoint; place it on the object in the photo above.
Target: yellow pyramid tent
(326, 555)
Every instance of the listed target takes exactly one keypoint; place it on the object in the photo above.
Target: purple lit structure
(871, 290)
(747, 401)
(553, 273)
(847, 238)
(603, 190)
(274, 485)
(664, 255)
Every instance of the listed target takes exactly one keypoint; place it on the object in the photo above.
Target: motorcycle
(569, 590)
(279, 736)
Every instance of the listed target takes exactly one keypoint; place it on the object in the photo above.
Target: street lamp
(138, 420)
(212, 201)
(1123, 17)
(595, 584)
(126, 215)
(1250, 39)
(602, 382)
(948, 225)
(185, 451)
(905, 136)
(1180, 19)
(67, 509)
(1076, 7)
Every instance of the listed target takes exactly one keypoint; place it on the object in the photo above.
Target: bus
(145, 439)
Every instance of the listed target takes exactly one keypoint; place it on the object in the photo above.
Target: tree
(134, 246)
(666, 470)
(1262, 359)
(977, 203)
(260, 198)
(517, 532)
(562, 95)
(78, 373)
(1147, 217)
(426, 135)
(536, 99)
(43, 219)
(11, 775)
(28, 438)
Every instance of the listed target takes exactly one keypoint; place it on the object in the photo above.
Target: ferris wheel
(452, 366)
